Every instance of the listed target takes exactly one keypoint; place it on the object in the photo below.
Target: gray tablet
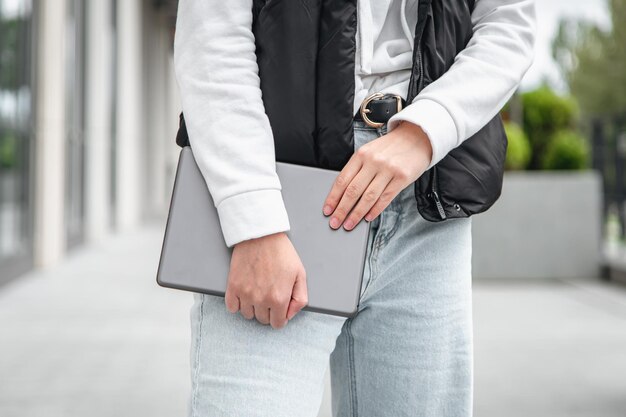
(194, 256)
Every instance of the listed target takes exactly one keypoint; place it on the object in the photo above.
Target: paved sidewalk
(96, 337)
(550, 349)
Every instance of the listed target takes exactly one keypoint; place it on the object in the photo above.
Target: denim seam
(367, 284)
(373, 255)
(374, 264)
(382, 241)
(351, 369)
(389, 234)
(197, 358)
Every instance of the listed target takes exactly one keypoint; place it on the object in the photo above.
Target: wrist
(264, 238)
(416, 134)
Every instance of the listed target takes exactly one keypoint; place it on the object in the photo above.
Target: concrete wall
(545, 225)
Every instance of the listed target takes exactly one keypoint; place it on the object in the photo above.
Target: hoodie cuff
(434, 120)
(251, 215)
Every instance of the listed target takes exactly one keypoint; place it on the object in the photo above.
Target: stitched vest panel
(306, 52)
(469, 178)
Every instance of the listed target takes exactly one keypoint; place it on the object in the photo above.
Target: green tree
(594, 61)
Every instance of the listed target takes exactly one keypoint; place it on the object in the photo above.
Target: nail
(348, 224)
(334, 222)
(327, 209)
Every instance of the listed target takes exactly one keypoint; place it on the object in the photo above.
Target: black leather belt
(377, 108)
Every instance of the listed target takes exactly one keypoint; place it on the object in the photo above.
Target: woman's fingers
(231, 301)
(299, 296)
(393, 188)
(278, 316)
(380, 192)
(247, 310)
(351, 195)
(344, 178)
(262, 314)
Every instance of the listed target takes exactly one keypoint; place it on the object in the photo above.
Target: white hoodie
(230, 133)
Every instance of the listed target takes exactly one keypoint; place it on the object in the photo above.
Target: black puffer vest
(306, 55)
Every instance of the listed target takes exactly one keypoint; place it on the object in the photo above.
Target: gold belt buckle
(363, 110)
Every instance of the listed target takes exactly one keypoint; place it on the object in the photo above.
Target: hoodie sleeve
(229, 131)
(451, 109)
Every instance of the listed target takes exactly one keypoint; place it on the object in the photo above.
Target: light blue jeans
(408, 351)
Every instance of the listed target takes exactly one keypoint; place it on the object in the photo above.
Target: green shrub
(566, 150)
(546, 113)
(8, 151)
(518, 151)
(544, 110)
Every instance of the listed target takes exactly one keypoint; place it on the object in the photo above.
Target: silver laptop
(195, 257)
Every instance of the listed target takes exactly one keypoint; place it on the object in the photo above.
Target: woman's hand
(377, 172)
(266, 280)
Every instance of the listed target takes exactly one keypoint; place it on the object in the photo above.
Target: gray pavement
(550, 349)
(96, 337)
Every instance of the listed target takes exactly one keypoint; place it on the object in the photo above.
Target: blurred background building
(88, 106)
(88, 115)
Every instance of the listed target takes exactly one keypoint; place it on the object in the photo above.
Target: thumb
(299, 296)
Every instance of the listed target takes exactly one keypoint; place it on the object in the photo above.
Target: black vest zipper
(421, 23)
(420, 80)
(422, 17)
(434, 185)
(435, 194)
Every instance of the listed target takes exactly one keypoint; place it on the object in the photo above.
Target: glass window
(16, 136)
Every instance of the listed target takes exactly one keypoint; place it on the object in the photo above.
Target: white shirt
(230, 133)
(384, 45)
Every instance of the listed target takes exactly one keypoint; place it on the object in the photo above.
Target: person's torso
(306, 55)
(384, 47)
